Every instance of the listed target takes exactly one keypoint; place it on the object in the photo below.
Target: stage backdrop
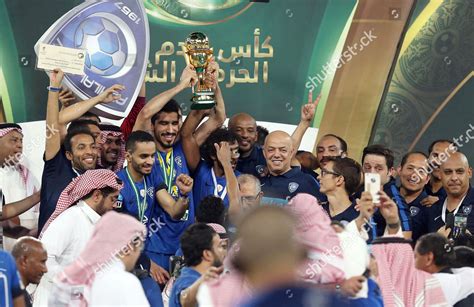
(430, 95)
(265, 50)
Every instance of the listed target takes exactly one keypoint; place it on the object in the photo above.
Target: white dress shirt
(14, 189)
(64, 240)
(117, 287)
(457, 286)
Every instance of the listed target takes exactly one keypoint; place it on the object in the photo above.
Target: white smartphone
(372, 185)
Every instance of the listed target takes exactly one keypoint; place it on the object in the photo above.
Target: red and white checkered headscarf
(81, 186)
(401, 283)
(4, 130)
(113, 233)
(314, 231)
(107, 130)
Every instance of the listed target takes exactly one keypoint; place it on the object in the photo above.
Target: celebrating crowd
(161, 212)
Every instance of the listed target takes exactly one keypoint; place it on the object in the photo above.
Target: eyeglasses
(325, 171)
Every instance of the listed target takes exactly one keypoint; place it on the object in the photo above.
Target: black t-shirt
(57, 174)
(254, 164)
(289, 184)
(344, 217)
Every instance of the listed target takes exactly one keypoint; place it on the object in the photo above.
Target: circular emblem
(109, 42)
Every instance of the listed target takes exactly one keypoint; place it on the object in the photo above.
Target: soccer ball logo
(105, 43)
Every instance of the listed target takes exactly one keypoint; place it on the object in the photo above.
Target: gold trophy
(199, 54)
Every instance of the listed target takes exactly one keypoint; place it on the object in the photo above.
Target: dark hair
(171, 106)
(464, 257)
(89, 114)
(80, 124)
(262, 134)
(464, 240)
(138, 136)
(407, 156)
(341, 140)
(211, 209)
(72, 133)
(432, 145)
(194, 241)
(106, 191)
(439, 245)
(350, 170)
(220, 135)
(379, 150)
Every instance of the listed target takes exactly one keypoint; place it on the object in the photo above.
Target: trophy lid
(197, 41)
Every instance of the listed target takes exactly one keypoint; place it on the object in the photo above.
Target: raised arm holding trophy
(199, 55)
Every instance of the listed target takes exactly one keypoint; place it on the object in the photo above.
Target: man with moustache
(64, 163)
(252, 160)
(30, 257)
(112, 147)
(330, 145)
(65, 234)
(162, 116)
(459, 202)
(204, 254)
(438, 152)
(283, 181)
(145, 196)
(17, 182)
(413, 178)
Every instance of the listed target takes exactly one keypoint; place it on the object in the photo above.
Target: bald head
(30, 257)
(246, 127)
(25, 246)
(278, 151)
(455, 175)
(267, 244)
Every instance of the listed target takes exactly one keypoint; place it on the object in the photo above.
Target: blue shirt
(416, 211)
(430, 219)
(204, 184)
(9, 280)
(295, 296)
(57, 174)
(187, 277)
(167, 238)
(289, 184)
(127, 203)
(378, 220)
(254, 164)
(344, 217)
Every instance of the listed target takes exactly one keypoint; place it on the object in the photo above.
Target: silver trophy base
(203, 101)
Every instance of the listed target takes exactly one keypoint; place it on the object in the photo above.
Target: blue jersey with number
(170, 230)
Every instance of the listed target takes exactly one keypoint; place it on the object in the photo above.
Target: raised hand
(212, 73)
(184, 184)
(212, 273)
(365, 206)
(309, 109)
(388, 209)
(56, 77)
(223, 152)
(66, 97)
(188, 77)
(111, 94)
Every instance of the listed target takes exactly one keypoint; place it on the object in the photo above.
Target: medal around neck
(199, 54)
